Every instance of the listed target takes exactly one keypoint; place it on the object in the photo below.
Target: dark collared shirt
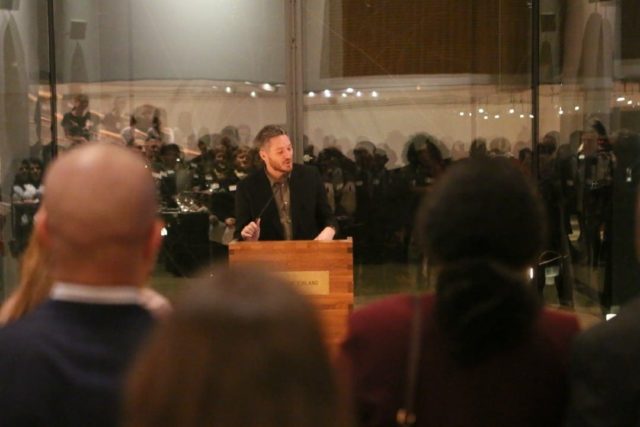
(282, 197)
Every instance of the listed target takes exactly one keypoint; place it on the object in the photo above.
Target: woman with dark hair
(242, 349)
(486, 353)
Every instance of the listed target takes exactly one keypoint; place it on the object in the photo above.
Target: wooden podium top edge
(348, 242)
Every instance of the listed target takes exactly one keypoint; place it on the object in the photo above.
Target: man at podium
(283, 201)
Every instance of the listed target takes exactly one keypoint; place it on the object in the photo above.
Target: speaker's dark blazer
(64, 364)
(605, 373)
(310, 211)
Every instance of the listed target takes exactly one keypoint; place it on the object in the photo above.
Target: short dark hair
(268, 132)
(81, 97)
(483, 224)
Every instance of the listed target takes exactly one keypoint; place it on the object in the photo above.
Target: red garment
(525, 386)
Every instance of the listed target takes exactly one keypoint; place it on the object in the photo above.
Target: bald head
(100, 207)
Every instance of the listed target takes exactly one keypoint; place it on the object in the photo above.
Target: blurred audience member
(80, 122)
(25, 187)
(458, 151)
(555, 262)
(605, 374)
(241, 349)
(152, 148)
(128, 133)
(525, 158)
(63, 363)
(485, 352)
(159, 130)
(185, 133)
(500, 147)
(116, 119)
(478, 148)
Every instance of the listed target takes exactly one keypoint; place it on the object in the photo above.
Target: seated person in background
(128, 134)
(26, 194)
(151, 150)
(80, 122)
(158, 130)
(242, 348)
(116, 120)
(220, 167)
(203, 146)
(36, 168)
(242, 166)
(22, 189)
(486, 353)
(283, 201)
(478, 148)
(175, 176)
(63, 363)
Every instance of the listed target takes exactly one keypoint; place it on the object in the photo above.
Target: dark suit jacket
(525, 386)
(605, 373)
(310, 211)
(64, 364)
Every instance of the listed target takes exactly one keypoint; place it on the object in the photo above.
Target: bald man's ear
(41, 229)
(154, 242)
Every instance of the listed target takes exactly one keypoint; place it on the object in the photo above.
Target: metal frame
(535, 83)
(294, 76)
(53, 84)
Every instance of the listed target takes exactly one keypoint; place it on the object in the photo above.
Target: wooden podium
(322, 270)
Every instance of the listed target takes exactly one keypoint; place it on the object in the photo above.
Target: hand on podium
(326, 234)
(251, 231)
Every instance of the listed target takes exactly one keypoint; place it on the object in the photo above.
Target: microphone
(264, 208)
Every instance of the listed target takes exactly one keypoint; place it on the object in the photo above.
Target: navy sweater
(64, 364)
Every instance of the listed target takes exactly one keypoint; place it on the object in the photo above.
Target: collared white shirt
(86, 294)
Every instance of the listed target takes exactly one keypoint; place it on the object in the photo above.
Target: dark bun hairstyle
(482, 226)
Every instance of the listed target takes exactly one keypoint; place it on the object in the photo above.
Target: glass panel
(204, 75)
(590, 105)
(395, 95)
(24, 106)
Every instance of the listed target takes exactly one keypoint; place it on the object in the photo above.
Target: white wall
(165, 39)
